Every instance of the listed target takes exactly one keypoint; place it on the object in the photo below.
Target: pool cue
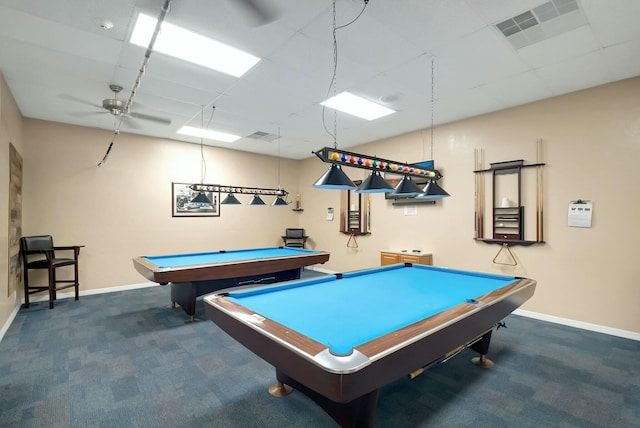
(476, 184)
(539, 193)
(482, 194)
(414, 374)
(479, 188)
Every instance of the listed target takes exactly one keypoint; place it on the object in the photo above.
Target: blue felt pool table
(195, 274)
(339, 338)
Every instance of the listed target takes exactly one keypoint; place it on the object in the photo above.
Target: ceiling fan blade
(163, 120)
(261, 11)
(131, 123)
(78, 100)
(86, 113)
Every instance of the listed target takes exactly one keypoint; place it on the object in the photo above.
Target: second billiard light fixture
(231, 191)
(336, 179)
(230, 199)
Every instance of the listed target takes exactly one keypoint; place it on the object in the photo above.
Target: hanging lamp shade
(433, 191)
(335, 179)
(256, 201)
(230, 200)
(407, 187)
(374, 183)
(279, 202)
(201, 198)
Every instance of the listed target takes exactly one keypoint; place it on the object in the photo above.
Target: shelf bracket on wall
(505, 246)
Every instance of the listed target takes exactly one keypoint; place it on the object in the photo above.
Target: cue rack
(355, 215)
(507, 221)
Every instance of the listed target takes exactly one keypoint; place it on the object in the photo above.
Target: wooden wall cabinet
(508, 223)
(391, 257)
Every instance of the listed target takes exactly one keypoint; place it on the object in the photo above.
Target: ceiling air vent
(264, 136)
(542, 22)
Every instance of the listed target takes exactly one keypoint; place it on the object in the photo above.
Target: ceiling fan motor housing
(115, 107)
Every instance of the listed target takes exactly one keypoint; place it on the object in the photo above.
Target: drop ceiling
(59, 62)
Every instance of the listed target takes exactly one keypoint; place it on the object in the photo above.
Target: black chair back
(36, 244)
(294, 233)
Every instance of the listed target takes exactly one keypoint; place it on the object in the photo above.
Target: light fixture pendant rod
(203, 165)
(432, 103)
(278, 157)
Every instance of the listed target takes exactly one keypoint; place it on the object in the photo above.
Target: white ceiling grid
(58, 64)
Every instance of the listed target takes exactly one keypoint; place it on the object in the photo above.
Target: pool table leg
(359, 412)
(184, 294)
(279, 389)
(482, 347)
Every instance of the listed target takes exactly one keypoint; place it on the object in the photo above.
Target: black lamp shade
(279, 202)
(335, 179)
(256, 201)
(201, 198)
(374, 183)
(433, 191)
(407, 187)
(230, 200)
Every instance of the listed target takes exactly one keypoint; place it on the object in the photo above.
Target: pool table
(195, 274)
(339, 338)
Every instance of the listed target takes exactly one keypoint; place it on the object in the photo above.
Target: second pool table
(339, 338)
(195, 274)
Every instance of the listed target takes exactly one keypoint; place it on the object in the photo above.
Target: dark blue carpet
(126, 360)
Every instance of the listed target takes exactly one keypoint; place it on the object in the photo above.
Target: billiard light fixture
(336, 179)
(256, 192)
(374, 183)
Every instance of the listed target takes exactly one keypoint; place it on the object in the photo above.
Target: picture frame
(181, 205)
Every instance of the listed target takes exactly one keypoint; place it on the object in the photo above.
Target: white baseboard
(579, 324)
(6, 325)
(70, 294)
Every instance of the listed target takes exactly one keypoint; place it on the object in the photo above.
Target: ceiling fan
(117, 107)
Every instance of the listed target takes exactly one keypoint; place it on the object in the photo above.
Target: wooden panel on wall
(15, 219)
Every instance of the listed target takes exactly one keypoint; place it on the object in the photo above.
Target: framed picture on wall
(183, 204)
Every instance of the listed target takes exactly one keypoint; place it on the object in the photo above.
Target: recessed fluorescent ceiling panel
(189, 46)
(357, 106)
(208, 134)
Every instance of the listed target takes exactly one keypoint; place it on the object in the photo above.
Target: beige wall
(122, 209)
(591, 141)
(10, 133)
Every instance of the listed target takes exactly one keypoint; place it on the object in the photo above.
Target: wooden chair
(294, 238)
(38, 252)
